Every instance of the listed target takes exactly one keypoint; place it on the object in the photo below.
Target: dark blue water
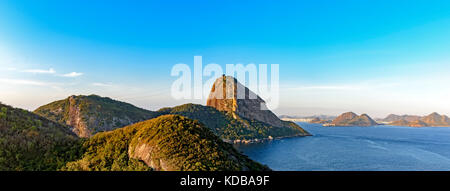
(357, 148)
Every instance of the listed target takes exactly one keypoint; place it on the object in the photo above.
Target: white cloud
(40, 71)
(72, 74)
(49, 71)
(23, 82)
(102, 85)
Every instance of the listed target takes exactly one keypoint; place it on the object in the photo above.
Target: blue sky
(375, 57)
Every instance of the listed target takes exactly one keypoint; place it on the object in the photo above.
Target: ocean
(377, 148)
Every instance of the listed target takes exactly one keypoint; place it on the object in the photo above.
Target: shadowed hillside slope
(33, 143)
(168, 143)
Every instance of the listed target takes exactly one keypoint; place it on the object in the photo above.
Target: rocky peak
(347, 116)
(435, 119)
(434, 114)
(365, 115)
(227, 94)
(351, 119)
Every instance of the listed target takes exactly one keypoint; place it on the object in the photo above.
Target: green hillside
(108, 151)
(88, 115)
(169, 142)
(226, 127)
(30, 142)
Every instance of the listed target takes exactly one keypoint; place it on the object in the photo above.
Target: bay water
(377, 148)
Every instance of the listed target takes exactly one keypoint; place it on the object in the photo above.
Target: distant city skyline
(374, 57)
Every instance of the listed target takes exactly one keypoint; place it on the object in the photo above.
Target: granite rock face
(228, 95)
(250, 117)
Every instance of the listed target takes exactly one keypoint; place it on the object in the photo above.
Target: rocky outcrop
(228, 95)
(75, 119)
(251, 119)
(351, 119)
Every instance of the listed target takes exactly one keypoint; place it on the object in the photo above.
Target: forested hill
(32, 142)
(166, 143)
(87, 115)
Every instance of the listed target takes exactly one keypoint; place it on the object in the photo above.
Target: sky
(375, 57)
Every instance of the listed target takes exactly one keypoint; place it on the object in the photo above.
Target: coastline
(238, 141)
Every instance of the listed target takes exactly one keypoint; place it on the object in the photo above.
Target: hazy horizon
(376, 57)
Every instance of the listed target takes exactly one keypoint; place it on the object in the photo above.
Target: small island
(352, 119)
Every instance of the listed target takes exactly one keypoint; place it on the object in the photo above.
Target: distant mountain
(249, 109)
(351, 119)
(320, 121)
(325, 117)
(166, 143)
(87, 115)
(435, 119)
(393, 117)
(432, 120)
(31, 142)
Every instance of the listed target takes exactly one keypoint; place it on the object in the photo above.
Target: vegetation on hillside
(168, 142)
(226, 127)
(91, 114)
(88, 115)
(108, 151)
(32, 143)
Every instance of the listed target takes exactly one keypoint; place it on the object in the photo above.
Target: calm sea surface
(357, 148)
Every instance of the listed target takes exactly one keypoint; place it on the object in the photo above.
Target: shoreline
(236, 142)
